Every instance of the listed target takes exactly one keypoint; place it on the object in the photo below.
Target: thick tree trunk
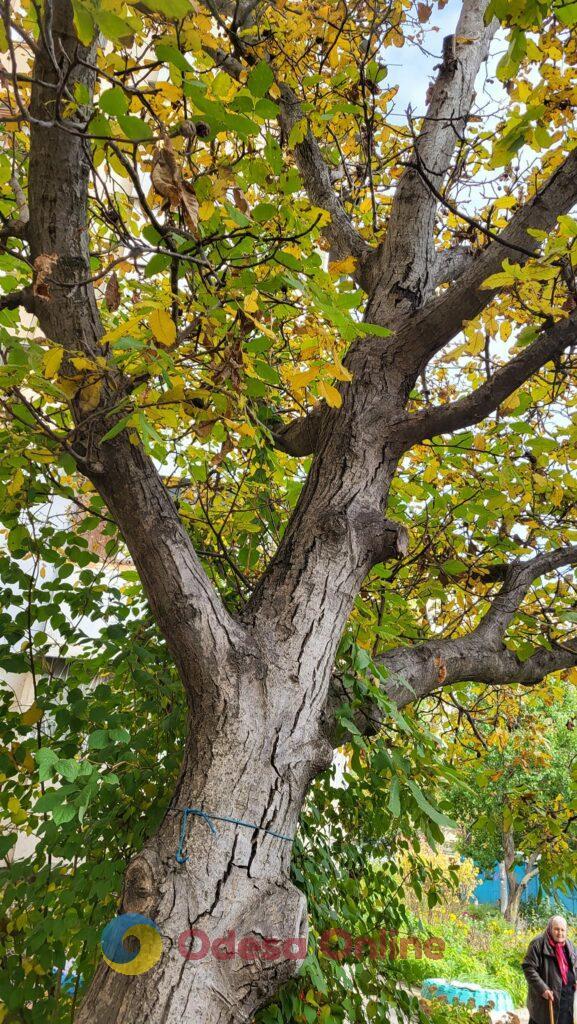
(238, 765)
(257, 739)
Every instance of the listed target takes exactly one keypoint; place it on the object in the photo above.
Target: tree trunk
(258, 736)
(516, 886)
(511, 914)
(238, 766)
(503, 890)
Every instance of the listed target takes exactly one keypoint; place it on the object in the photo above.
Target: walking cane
(551, 1017)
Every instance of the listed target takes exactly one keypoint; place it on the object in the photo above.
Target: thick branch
(299, 436)
(21, 298)
(450, 264)
(341, 234)
(404, 269)
(475, 407)
(190, 614)
(441, 319)
(480, 657)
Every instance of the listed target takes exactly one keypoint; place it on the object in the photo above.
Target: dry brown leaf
(240, 200)
(43, 267)
(167, 181)
(424, 12)
(189, 204)
(112, 293)
(165, 174)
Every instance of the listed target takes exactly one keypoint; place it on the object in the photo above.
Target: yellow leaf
(68, 385)
(505, 202)
(510, 403)
(32, 716)
(16, 483)
(250, 303)
(52, 361)
(262, 327)
(124, 329)
(89, 396)
(300, 378)
(475, 343)
(330, 394)
(162, 326)
(206, 210)
(498, 280)
(340, 371)
(175, 393)
(343, 266)
(82, 363)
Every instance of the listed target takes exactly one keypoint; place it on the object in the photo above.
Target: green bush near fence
(480, 947)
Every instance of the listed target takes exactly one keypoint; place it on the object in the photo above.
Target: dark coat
(541, 971)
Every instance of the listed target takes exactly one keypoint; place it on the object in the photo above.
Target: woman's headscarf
(559, 950)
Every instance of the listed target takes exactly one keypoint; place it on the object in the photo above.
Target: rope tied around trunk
(181, 857)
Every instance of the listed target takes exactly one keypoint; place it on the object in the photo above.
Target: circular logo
(126, 961)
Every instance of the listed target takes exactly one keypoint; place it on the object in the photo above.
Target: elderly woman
(550, 967)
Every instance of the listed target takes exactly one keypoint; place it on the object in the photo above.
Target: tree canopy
(288, 389)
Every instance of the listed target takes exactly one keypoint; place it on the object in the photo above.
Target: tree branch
(22, 298)
(442, 317)
(196, 625)
(485, 399)
(479, 657)
(450, 264)
(341, 234)
(403, 271)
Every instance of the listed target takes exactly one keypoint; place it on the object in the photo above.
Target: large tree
(198, 157)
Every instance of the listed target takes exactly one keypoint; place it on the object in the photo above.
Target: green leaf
(432, 812)
(380, 332)
(98, 739)
(84, 23)
(68, 768)
(454, 567)
(170, 55)
(394, 803)
(567, 13)
(171, 8)
(134, 128)
(260, 79)
(114, 101)
(63, 813)
(6, 843)
(48, 801)
(111, 26)
(120, 425)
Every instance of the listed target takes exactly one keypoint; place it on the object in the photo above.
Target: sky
(411, 69)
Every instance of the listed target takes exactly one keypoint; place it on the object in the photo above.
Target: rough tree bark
(260, 687)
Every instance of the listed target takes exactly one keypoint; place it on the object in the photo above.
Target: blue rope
(181, 857)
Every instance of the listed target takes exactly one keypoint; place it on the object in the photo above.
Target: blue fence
(489, 887)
